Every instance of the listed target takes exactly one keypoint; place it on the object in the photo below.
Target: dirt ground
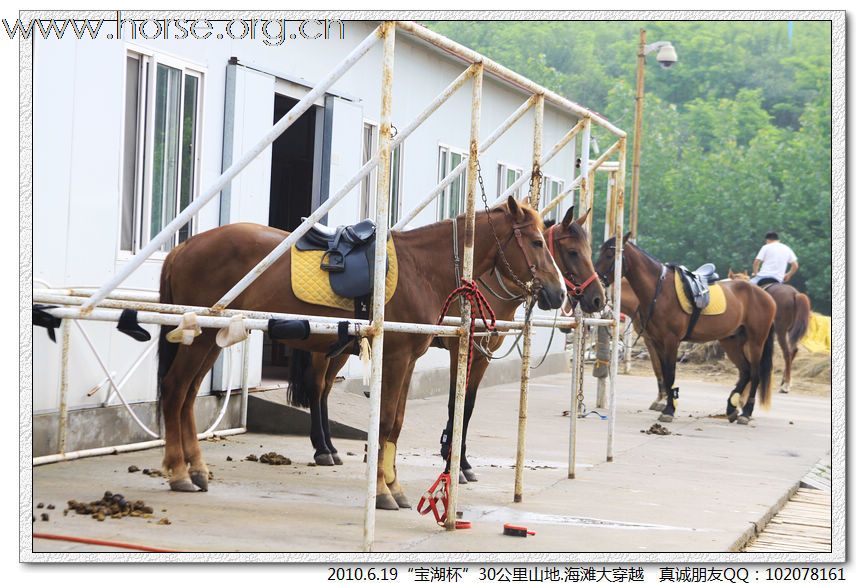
(812, 372)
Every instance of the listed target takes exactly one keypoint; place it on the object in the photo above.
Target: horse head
(523, 255)
(572, 252)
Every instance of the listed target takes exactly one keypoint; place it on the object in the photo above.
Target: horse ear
(583, 218)
(626, 237)
(569, 216)
(730, 273)
(514, 207)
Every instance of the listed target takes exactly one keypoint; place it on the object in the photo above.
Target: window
(507, 176)
(367, 185)
(452, 200)
(369, 182)
(160, 147)
(552, 188)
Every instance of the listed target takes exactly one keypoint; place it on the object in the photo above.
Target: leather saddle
(767, 282)
(697, 283)
(349, 256)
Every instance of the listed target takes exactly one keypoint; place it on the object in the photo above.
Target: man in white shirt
(772, 261)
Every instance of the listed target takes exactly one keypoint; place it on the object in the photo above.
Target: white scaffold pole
(617, 297)
(534, 199)
(577, 351)
(382, 215)
(466, 308)
(225, 179)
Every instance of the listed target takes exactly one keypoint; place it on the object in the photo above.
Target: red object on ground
(516, 530)
(103, 543)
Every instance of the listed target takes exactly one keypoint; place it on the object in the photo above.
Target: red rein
(480, 308)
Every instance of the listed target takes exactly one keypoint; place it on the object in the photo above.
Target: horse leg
(479, 367)
(315, 376)
(755, 352)
(396, 489)
(392, 377)
(198, 472)
(174, 390)
(661, 399)
(788, 360)
(734, 349)
(333, 368)
(667, 358)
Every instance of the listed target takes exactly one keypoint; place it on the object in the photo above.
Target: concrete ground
(697, 490)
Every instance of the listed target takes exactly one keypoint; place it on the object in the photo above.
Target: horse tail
(801, 316)
(167, 350)
(299, 388)
(766, 365)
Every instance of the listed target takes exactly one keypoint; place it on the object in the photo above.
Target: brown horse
(200, 270)
(573, 254)
(791, 320)
(745, 329)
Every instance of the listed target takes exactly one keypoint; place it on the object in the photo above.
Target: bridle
(575, 290)
(605, 277)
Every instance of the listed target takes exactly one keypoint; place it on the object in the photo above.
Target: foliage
(736, 136)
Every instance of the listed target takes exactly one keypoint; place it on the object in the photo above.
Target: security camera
(667, 56)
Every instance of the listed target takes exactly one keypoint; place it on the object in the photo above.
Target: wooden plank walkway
(804, 524)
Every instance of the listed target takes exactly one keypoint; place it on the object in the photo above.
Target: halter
(575, 290)
(605, 277)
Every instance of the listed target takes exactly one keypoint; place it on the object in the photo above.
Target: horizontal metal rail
(549, 155)
(503, 72)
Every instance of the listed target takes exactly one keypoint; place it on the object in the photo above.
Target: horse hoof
(732, 416)
(463, 479)
(183, 485)
(199, 479)
(470, 475)
(401, 499)
(785, 388)
(665, 418)
(337, 461)
(324, 459)
(386, 502)
(743, 420)
(657, 406)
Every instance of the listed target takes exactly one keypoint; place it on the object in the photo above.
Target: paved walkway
(697, 490)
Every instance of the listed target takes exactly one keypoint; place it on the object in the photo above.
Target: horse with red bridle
(201, 270)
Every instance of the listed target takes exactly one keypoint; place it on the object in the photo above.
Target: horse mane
(549, 223)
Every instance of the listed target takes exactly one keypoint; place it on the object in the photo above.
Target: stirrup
(234, 333)
(186, 332)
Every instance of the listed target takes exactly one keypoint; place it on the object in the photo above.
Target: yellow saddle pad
(717, 299)
(311, 284)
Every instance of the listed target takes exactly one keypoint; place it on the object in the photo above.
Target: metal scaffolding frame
(106, 303)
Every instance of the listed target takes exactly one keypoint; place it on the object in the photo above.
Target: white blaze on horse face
(558, 271)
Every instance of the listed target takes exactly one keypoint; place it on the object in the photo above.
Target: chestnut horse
(791, 320)
(203, 268)
(745, 330)
(572, 252)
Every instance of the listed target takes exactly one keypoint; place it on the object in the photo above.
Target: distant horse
(791, 320)
(745, 329)
(572, 252)
(203, 268)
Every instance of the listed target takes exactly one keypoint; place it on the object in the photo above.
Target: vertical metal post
(601, 400)
(534, 198)
(466, 309)
(585, 152)
(244, 383)
(576, 359)
(64, 385)
(617, 298)
(382, 213)
(638, 131)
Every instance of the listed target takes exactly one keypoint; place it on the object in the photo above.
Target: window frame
(502, 169)
(371, 178)
(144, 144)
(547, 196)
(444, 194)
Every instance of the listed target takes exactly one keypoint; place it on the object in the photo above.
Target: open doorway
(292, 191)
